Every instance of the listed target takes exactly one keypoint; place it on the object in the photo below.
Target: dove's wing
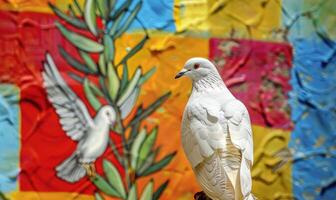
(209, 150)
(74, 116)
(201, 131)
(207, 134)
(241, 135)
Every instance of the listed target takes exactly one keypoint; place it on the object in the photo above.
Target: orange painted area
(168, 53)
(48, 196)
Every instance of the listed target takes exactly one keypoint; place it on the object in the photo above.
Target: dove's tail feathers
(70, 169)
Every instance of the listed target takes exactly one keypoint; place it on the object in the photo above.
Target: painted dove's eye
(196, 66)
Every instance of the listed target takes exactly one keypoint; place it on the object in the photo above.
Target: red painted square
(258, 74)
(25, 38)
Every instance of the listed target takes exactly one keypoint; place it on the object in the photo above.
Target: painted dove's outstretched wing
(74, 116)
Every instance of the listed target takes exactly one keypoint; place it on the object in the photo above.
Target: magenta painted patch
(258, 74)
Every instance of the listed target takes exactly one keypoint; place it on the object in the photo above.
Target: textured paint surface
(238, 18)
(9, 134)
(258, 74)
(312, 99)
(313, 112)
(290, 106)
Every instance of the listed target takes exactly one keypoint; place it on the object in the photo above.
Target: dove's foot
(90, 170)
(201, 196)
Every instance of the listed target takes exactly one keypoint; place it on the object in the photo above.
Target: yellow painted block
(268, 181)
(255, 19)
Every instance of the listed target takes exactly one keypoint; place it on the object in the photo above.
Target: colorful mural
(64, 58)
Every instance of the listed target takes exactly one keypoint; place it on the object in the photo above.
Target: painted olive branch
(138, 155)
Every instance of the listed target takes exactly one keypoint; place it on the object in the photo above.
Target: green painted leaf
(102, 7)
(102, 83)
(134, 50)
(159, 191)
(130, 87)
(89, 61)
(124, 79)
(73, 62)
(136, 147)
(116, 24)
(121, 9)
(150, 109)
(132, 195)
(113, 82)
(148, 162)
(96, 90)
(76, 77)
(147, 75)
(71, 11)
(129, 20)
(90, 95)
(102, 64)
(159, 165)
(80, 41)
(71, 20)
(128, 105)
(90, 16)
(103, 186)
(114, 178)
(147, 193)
(98, 196)
(135, 127)
(112, 4)
(109, 48)
(78, 8)
(147, 145)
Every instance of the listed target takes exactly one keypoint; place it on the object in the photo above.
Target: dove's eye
(196, 66)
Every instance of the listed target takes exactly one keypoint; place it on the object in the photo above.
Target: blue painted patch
(9, 137)
(154, 15)
(313, 103)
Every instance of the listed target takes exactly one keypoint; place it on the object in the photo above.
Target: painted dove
(92, 135)
(216, 134)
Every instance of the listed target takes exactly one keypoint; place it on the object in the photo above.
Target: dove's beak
(181, 73)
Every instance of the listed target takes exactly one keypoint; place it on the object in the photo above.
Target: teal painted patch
(9, 137)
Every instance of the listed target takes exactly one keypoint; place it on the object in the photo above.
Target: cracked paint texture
(312, 99)
(287, 86)
(313, 112)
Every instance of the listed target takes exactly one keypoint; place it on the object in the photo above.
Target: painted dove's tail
(70, 169)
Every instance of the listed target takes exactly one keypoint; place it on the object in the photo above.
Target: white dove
(216, 134)
(92, 134)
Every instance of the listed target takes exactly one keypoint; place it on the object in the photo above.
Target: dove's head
(197, 69)
(108, 113)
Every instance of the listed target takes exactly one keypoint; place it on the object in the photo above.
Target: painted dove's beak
(181, 73)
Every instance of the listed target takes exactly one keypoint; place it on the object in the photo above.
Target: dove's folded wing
(206, 133)
(74, 116)
(240, 128)
(241, 136)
